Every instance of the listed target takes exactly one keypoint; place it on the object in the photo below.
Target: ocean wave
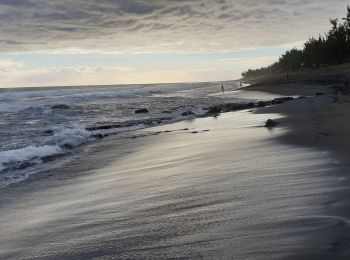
(71, 136)
(64, 139)
(19, 158)
(67, 137)
(36, 137)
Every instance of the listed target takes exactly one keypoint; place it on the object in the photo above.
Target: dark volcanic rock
(60, 106)
(281, 100)
(48, 132)
(214, 110)
(262, 104)
(188, 113)
(271, 123)
(234, 107)
(67, 146)
(228, 107)
(141, 111)
(250, 105)
(102, 127)
(277, 101)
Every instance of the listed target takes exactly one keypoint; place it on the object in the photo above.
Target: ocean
(33, 135)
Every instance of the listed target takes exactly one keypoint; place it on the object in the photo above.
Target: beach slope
(218, 187)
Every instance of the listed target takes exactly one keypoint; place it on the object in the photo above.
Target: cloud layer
(203, 39)
(159, 25)
(17, 74)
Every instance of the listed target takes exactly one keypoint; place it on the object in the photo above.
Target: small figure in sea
(240, 84)
(222, 89)
(287, 75)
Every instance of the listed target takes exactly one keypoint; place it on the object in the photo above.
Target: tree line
(331, 49)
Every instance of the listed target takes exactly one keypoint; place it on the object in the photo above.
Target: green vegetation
(331, 49)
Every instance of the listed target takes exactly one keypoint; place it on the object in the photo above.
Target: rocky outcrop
(262, 104)
(188, 113)
(48, 132)
(214, 111)
(141, 111)
(250, 105)
(281, 100)
(271, 123)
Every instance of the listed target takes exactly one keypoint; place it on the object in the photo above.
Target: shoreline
(274, 95)
(50, 153)
(321, 123)
(181, 194)
(124, 188)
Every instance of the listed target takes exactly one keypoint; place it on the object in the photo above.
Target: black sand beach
(182, 129)
(211, 188)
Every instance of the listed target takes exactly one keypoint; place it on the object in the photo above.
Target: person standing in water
(222, 89)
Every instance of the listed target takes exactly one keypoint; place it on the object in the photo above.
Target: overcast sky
(80, 42)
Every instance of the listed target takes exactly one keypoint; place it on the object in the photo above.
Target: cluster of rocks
(281, 100)
(229, 107)
(128, 124)
(125, 124)
(212, 111)
(188, 113)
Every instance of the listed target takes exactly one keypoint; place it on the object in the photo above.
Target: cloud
(70, 76)
(159, 25)
(10, 65)
(16, 74)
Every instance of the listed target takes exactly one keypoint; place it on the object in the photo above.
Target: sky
(100, 42)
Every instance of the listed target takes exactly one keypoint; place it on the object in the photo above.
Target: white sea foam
(27, 154)
(64, 137)
(73, 135)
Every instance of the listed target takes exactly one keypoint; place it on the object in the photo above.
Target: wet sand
(212, 188)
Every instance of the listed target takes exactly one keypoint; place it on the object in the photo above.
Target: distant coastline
(328, 75)
(327, 55)
(54, 87)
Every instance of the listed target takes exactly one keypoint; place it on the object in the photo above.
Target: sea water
(33, 134)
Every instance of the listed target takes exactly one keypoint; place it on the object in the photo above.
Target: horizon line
(110, 85)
